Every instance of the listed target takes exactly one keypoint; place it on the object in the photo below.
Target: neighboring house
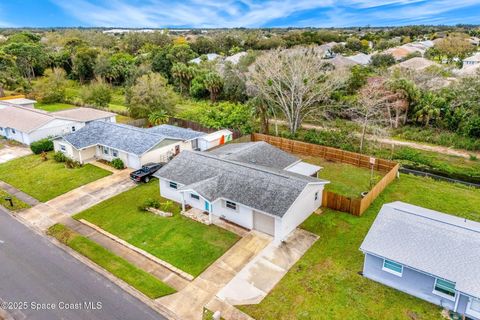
(472, 60)
(361, 58)
(209, 57)
(22, 102)
(246, 184)
(235, 59)
(427, 254)
(135, 146)
(26, 125)
(416, 64)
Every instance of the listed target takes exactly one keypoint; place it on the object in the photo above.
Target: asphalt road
(35, 274)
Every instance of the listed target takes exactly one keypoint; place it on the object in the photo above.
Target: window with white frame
(392, 267)
(231, 205)
(444, 288)
(194, 196)
(63, 148)
(105, 150)
(114, 152)
(473, 307)
(13, 131)
(173, 185)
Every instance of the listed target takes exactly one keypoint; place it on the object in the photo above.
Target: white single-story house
(472, 60)
(243, 183)
(135, 146)
(26, 125)
(427, 254)
(21, 102)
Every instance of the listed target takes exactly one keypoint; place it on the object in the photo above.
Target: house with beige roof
(26, 125)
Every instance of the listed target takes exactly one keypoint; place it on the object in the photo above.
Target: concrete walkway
(28, 199)
(188, 303)
(252, 284)
(44, 215)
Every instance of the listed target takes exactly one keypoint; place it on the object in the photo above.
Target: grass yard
(17, 203)
(186, 244)
(52, 107)
(119, 267)
(345, 179)
(45, 180)
(324, 284)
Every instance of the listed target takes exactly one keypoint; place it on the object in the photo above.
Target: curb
(122, 284)
(147, 255)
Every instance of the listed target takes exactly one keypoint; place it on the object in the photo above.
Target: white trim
(471, 312)
(441, 294)
(399, 274)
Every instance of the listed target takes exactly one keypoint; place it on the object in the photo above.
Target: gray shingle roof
(175, 132)
(265, 189)
(436, 243)
(259, 153)
(123, 137)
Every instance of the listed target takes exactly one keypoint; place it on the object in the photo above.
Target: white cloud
(257, 13)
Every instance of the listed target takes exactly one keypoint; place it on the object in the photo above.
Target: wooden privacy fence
(12, 97)
(332, 200)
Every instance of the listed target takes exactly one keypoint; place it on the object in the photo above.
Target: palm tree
(158, 117)
(184, 75)
(429, 107)
(213, 83)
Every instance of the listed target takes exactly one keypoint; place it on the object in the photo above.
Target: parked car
(145, 173)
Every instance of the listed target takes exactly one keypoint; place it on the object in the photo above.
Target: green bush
(117, 163)
(439, 137)
(342, 139)
(42, 145)
(150, 203)
(71, 164)
(59, 157)
(98, 94)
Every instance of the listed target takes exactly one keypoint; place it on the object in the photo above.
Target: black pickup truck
(145, 173)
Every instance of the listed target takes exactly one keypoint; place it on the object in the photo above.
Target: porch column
(80, 155)
(183, 202)
(210, 218)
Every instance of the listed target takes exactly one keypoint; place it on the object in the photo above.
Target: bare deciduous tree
(373, 109)
(296, 81)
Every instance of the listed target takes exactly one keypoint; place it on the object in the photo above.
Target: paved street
(34, 270)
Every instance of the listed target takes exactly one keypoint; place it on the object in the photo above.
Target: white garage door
(264, 223)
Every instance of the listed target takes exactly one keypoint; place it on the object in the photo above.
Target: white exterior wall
(299, 211)
(169, 193)
(55, 128)
(243, 216)
(159, 154)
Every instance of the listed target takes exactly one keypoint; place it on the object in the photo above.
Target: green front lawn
(52, 107)
(45, 180)
(119, 267)
(345, 179)
(325, 283)
(17, 203)
(186, 244)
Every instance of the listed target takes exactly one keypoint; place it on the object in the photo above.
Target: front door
(207, 206)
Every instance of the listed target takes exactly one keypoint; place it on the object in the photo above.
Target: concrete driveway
(262, 273)
(46, 214)
(188, 303)
(8, 153)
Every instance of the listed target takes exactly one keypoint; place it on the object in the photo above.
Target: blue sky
(235, 13)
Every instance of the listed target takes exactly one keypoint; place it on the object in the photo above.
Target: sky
(235, 13)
